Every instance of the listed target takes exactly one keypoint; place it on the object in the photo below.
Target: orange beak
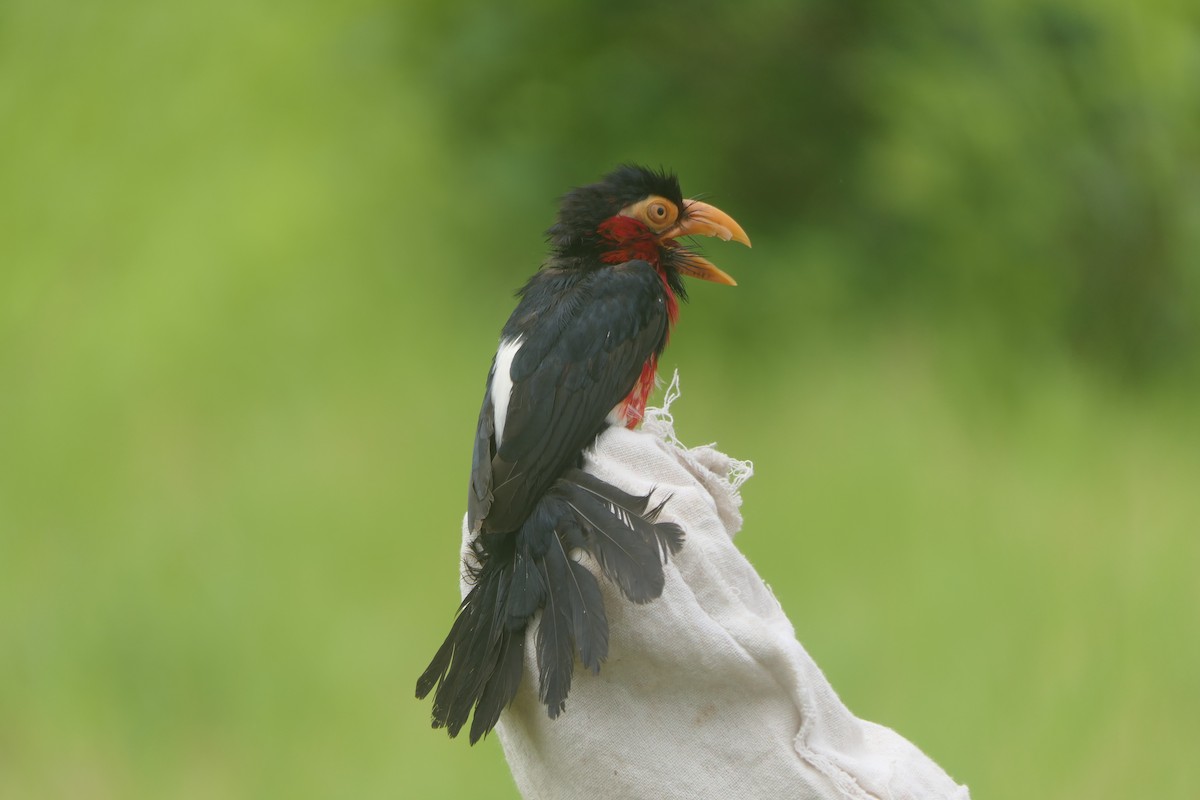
(702, 219)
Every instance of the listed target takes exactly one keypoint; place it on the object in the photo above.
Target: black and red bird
(579, 354)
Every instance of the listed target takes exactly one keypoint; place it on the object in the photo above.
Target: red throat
(633, 241)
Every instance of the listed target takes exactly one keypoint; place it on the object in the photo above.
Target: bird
(578, 354)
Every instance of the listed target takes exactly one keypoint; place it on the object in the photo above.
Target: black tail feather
(527, 592)
(637, 507)
(589, 622)
(460, 690)
(555, 640)
(518, 574)
(501, 688)
(621, 534)
(624, 554)
(435, 673)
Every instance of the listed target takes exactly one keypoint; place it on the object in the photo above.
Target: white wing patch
(502, 384)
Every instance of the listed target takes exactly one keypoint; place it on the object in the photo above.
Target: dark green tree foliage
(1033, 167)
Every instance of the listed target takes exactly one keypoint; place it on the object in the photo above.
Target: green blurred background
(254, 257)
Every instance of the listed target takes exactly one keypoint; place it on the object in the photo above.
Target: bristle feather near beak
(702, 219)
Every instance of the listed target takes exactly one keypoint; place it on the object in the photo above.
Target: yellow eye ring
(657, 212)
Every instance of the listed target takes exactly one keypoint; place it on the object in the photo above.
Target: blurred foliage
(1029, 166)
(254, 257)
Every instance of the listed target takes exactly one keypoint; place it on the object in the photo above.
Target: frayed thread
(661, 423)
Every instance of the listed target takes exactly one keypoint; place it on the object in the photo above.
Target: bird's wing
(579, 357)
(479, 498)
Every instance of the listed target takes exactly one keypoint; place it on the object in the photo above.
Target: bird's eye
(659, 213)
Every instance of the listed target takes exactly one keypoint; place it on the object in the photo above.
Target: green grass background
(249, 290)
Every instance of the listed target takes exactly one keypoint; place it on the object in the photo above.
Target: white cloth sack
(706, 693)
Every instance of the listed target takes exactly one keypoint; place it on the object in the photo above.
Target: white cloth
(706, 693)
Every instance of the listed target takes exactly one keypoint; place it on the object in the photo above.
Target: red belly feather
(633, 408)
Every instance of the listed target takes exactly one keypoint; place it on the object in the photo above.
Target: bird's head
(638, 213)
